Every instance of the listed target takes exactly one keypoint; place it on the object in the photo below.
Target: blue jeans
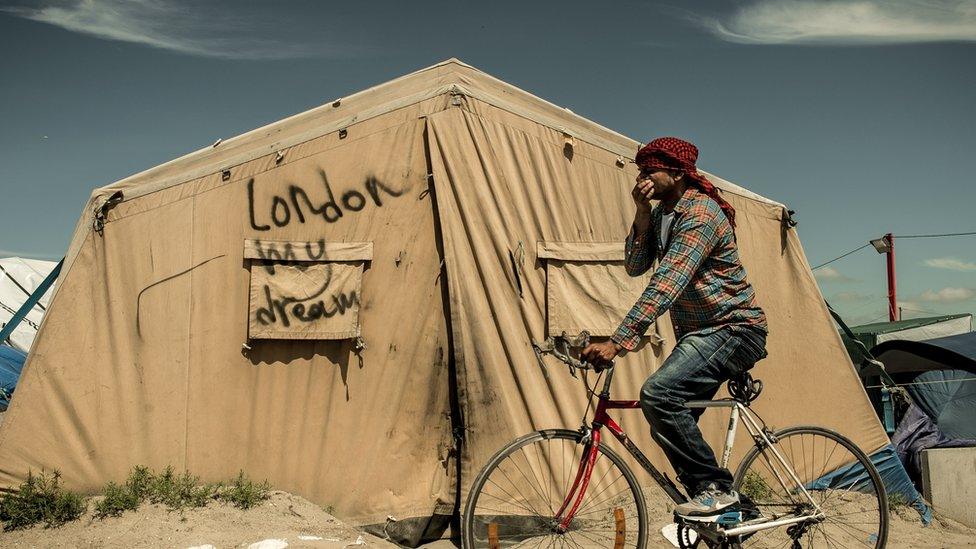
(695, 370)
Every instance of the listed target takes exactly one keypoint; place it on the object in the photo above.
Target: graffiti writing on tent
(287, 253)
(323, 302)
(296, 204)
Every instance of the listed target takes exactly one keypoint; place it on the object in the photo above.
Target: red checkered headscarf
(671, 153)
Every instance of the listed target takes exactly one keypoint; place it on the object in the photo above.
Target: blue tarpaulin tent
(11, 363)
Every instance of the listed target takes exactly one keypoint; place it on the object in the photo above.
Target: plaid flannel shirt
(699, 278)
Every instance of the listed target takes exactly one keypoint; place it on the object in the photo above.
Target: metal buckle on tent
(788, 219)
(100, 211)
(360, 344)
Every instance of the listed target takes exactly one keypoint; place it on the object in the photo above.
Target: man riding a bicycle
(720, 330)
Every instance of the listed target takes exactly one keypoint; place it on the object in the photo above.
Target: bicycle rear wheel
(838, 476)
(516, 498)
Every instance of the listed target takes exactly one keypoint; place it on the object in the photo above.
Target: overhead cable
(895, 236)
(841, 256)
(935, 235)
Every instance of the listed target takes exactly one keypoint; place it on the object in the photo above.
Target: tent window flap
(587, 287)
(305, 290)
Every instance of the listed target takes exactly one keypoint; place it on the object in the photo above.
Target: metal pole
(893, 313)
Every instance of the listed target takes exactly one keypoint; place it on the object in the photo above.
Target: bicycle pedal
(728, 518)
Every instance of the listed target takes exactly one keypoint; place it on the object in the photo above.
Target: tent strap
(34, 298)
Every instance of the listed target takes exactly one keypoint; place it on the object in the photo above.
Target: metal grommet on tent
(343, 133)
(279, 156)
(225, 175)
(621, 162)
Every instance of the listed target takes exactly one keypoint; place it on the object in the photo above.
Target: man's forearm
(642, 224)
(639, 249)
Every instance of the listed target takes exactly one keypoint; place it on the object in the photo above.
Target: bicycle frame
(739, 411)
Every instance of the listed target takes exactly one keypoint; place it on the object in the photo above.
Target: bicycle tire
(849, 498)
(519, 520)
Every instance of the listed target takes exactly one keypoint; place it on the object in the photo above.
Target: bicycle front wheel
(524, 493)
(838, 477)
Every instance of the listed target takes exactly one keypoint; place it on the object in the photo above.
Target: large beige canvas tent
(344, 302)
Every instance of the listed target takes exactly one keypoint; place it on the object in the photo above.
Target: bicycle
(565, 488)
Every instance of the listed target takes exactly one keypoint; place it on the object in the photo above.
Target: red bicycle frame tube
(588, 470)
(588, 459)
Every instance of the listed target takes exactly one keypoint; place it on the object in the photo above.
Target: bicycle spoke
(539, 459)
(501, 512)
(847, 527)
(598, 494)
(533, 486)
(529, 509)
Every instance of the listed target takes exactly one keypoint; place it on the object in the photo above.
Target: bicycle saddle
(744, 388)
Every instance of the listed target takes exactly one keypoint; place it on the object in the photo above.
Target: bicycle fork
(580, 483)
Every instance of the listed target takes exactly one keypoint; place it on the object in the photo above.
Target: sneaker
(712, 505)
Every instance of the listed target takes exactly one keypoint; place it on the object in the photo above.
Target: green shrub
(139, 482)
(166, 488)
(118, 499)
(176, 491)
(179, 491)
(40, 499)
(896, 500)
(755, 487)
(127, 497)
(244, 493)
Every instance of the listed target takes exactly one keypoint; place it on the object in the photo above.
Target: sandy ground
(292, 520)
(298, 522)
(285, 517)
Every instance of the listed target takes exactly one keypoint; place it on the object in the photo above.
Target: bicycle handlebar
(564, 354)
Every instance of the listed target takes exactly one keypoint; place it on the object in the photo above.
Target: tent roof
(450, 77)
(957, 352)
(898, 325)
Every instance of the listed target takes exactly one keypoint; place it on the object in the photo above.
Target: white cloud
(951, 264)
(831, 274)
(29, 255)
(846, 22)
(163, 24)
(948, 295)
(851, 296)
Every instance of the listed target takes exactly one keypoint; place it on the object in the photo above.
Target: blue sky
(858, 114)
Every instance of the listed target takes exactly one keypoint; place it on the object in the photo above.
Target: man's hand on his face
(601, 353)
(642, 193)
